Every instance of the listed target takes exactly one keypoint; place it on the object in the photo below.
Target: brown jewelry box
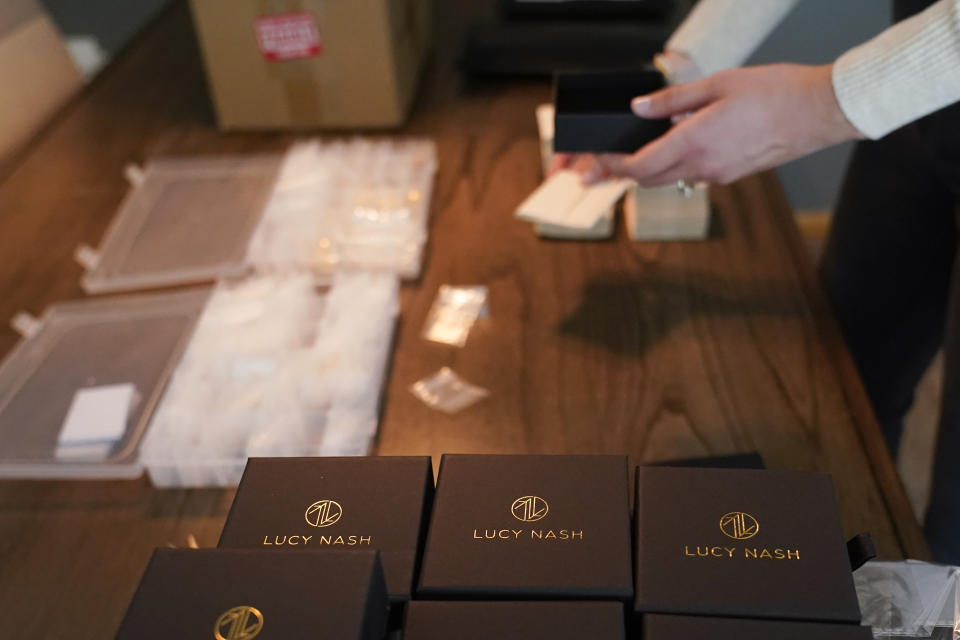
(188, 594)
(336, 503)
(741, 543)
(514, 621)
(530, 528)
(665, 627)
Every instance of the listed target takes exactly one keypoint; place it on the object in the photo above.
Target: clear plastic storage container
(320, 207)
(135, 340)
(185, 221)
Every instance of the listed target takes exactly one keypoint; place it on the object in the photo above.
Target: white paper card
(603, 228)
(563, 200)
(545, 121)
(596, 200)
(97, 416)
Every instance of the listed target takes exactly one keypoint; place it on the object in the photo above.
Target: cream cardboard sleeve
(232, 595)
(529, 527)
(381, 503)
(666, 627)
(514, 621)
(741, 543)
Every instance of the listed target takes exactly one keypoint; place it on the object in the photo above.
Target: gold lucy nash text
(331, 541)
(746, 552)
(533, 534)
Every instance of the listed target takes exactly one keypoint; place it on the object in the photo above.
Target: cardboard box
(593, 112)
(661, 627)
(667, 213)
(312, 63)
(514, 621)
(336, 503)
(529, 527)
(741, 543)
(37, 75)
(229, 595)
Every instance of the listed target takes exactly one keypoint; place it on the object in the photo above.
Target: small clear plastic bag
(454, 313)
(447, 392)
(909, 599)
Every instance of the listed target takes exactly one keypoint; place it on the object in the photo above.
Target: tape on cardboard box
(290, 61)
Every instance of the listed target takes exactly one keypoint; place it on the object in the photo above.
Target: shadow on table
(629, 314)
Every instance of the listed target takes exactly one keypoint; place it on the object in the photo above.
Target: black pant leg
(942, 522)
(886, 268)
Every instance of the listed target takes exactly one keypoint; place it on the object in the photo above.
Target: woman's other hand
(740, 121)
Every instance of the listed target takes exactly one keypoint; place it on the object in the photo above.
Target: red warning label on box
(288, 36)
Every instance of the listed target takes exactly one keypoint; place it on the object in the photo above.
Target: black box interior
(592, 112)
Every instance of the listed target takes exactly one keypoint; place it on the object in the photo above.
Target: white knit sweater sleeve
(908, 71)
(720, 34)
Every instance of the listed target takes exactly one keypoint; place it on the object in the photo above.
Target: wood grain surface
(658, 351)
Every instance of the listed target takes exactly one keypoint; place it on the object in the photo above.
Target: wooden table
(654, 350)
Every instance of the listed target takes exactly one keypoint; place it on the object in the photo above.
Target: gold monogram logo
(529, 508)
(739, 525)
(323, 513)
(238, 623)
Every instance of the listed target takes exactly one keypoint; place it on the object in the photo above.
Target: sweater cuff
(721, 34)
(910, 70)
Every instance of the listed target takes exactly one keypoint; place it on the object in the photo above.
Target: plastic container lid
(87, 344)
(186, 221)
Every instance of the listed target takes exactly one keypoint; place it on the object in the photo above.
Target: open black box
(213, 593)
(514, 621)
(535, 527)
(741, 543)
(592, 112)
(336, 503)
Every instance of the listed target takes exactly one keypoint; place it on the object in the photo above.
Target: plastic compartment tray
(131, 339)
(187, 221)
(362, 203)
(275, 367)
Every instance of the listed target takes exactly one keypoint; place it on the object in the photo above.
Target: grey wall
(112, 22)
(817, 31)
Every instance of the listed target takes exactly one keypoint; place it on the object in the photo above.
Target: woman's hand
(585, 164)
(740, 121)
(676, 68)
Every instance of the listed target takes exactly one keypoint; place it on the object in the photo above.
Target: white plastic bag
(447, 392)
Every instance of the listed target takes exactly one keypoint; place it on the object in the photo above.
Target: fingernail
(640, 106)
(591, 176)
